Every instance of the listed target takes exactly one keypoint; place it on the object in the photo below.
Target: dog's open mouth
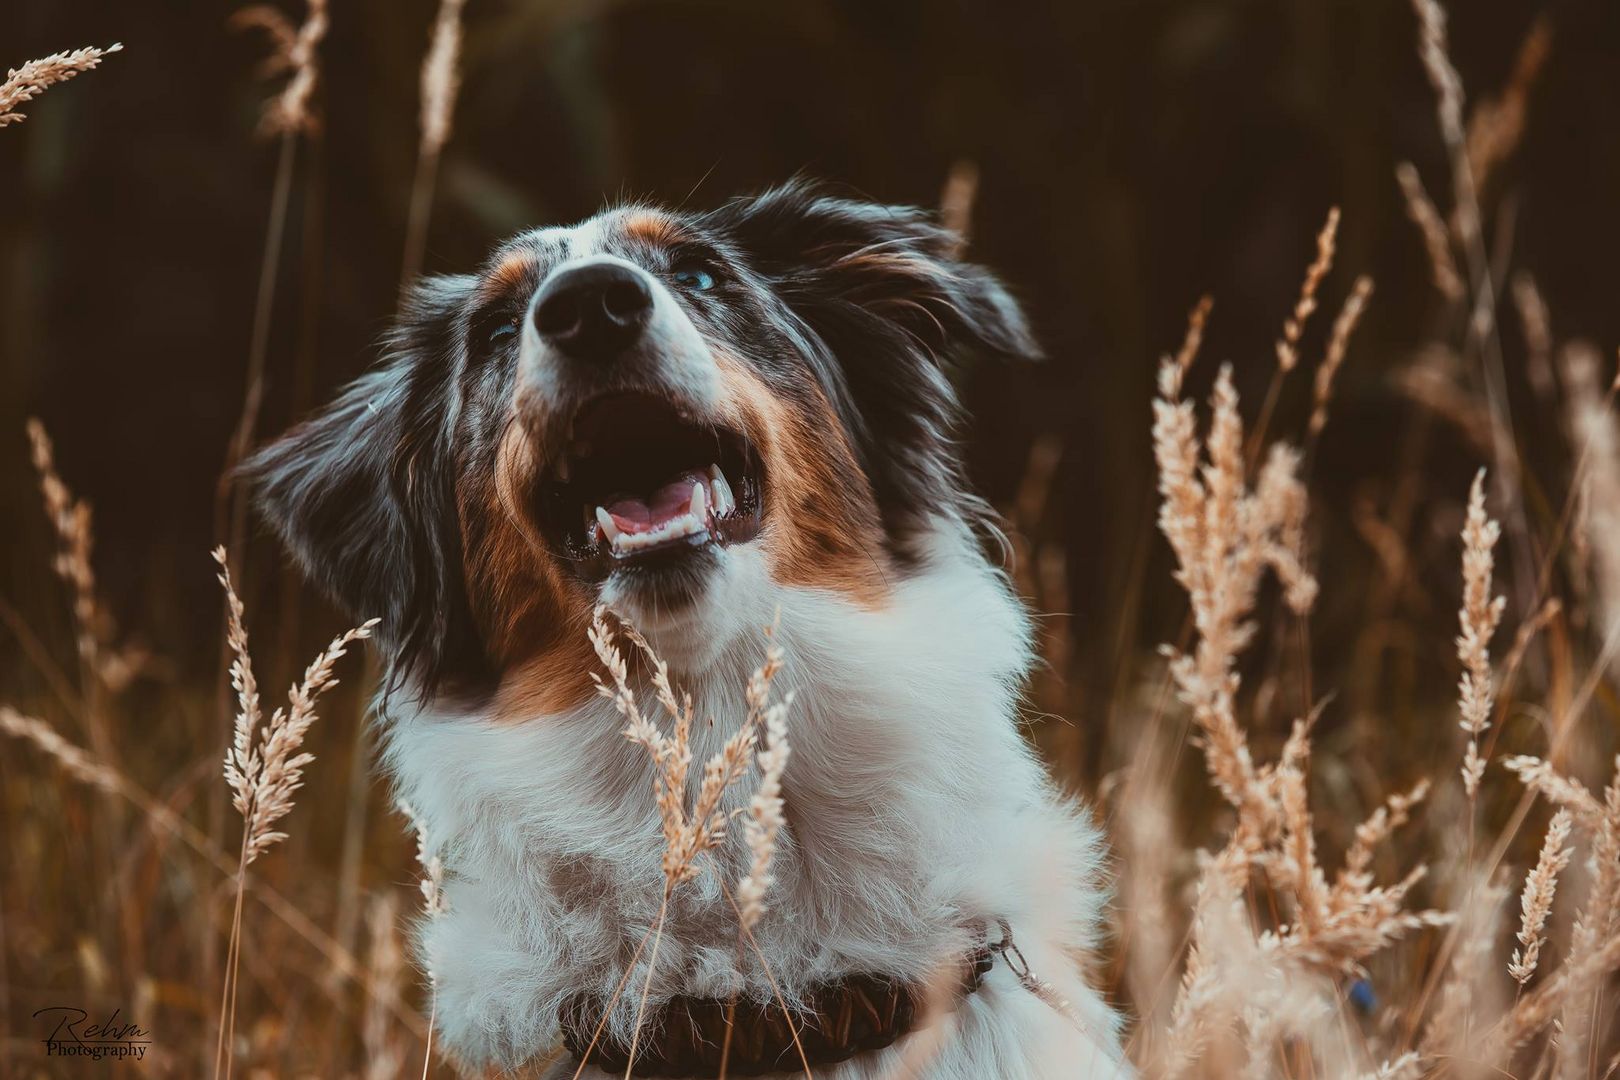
(642, 484)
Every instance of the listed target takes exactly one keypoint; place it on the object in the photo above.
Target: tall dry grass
(441, 80)
(264, 768)
(24, 84)
(1305, 888)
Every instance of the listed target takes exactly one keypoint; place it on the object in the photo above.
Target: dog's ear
(886, 299)
(363, 494)
(825, 253)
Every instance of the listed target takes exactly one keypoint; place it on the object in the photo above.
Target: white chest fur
(914, 809)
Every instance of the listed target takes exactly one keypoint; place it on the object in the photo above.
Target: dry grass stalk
(1270, 984)
(1538, 1010)
(385, 1057)
(1596, 934)
(1536, 322)
(434, 905)
(765, 818)
(1218, 929)
(1558, 789)
(1470, 990)
(1594, 951)
(101, 661)
(1420, 208)
(441, 76)
(956, 201)
(1224, 537)
(1590, 421)
(1173, 372)
(1294, 326)
(1523, 638)
(689, 834)
(1497, 125)
(70, 521)
(1535, 903)
(1039, 568)
(441, 81)
(1479, 617)
(1435, 380)
(1145, 836)
(25, 83)
(76, 762)
(671, 755)
(287, 115)
(1396, 812)
(1338, 344)
(264, 767)
(293, 50)
(1336, 926)
(431, 885)
(1405, 1067)
(1443, 76)
(1480, 340)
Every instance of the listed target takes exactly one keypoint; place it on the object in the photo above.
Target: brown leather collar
(687, 1036)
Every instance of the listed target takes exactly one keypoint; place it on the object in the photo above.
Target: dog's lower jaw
(725, 617)
(915, 811)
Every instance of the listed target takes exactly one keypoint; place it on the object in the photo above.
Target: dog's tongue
(639, 514)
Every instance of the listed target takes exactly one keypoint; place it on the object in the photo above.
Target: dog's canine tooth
(609, 529)
(698, 508)
(724, 502)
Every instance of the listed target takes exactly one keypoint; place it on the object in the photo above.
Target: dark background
(1132, 156)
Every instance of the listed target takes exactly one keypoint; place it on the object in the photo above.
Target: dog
(709, 423)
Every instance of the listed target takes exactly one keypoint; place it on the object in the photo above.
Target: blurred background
(1124, 158)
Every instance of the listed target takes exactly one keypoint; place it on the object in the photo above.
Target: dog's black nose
(595, 310)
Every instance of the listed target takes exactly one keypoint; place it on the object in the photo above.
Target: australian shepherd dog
(709, 423)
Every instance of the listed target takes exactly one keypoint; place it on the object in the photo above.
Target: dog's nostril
(626, 300)
(557, 314)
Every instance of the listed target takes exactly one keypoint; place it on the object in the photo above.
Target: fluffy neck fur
(914, 810)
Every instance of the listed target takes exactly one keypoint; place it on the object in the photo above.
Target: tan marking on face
(821, 527)
(650, 227)
(532, 616)
(510, 275)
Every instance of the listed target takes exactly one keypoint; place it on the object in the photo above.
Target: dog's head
(666, 412)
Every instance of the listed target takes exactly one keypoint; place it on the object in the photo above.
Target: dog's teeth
(609, 529)
(563, 470)
(695, 522)
(720, 491)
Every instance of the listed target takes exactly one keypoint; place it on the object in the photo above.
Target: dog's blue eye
(690, 276)
(500, 333)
